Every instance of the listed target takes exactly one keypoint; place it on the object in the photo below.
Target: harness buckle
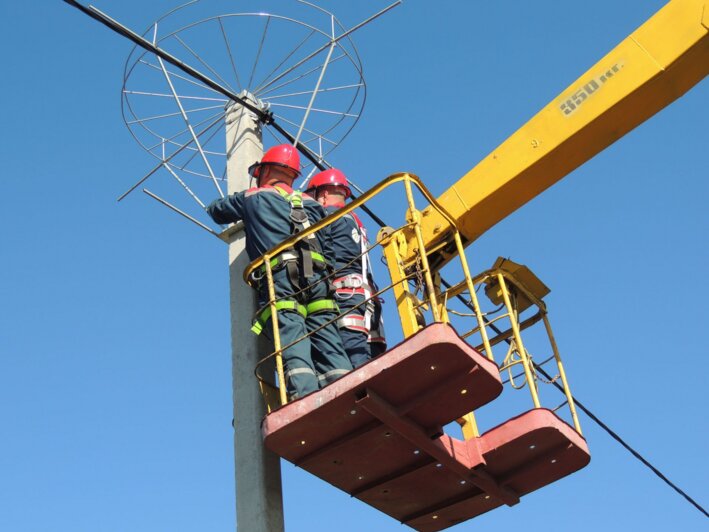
(299, 215)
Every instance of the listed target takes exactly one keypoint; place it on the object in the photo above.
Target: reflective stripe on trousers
(330, 376)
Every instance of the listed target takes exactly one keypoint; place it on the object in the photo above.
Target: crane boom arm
(647, 71)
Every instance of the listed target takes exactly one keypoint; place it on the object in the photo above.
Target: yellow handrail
(347, 209)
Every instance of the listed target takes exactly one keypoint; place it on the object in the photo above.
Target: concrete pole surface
(259, 502)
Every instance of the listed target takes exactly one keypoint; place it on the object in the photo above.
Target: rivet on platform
(463, 391)
(434, 517)
(532, 447)
(360, 477)
(302, 442)
(487, 497)
(353, 412)
(433, 368)
(417, 451)
(387, 433)
(439, 465)
(462, 482)
(553, 461)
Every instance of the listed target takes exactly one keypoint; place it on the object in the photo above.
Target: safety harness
(345, 287)
(301, 262)
(321, 305)
(308, 253)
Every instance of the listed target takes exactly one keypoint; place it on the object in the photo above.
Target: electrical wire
(628, 448)
(605, 427)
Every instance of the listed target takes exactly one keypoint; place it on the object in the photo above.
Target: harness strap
(353, 322)
(300, 221)
(278, 261)
(351, 291)
(263, 316)
(288, 260)
(321, 305)
(353, 280)
(309, 251)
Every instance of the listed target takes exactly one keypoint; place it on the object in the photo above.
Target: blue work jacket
(266, 216)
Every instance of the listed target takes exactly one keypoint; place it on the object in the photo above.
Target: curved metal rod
(353, 57)
(263, 116)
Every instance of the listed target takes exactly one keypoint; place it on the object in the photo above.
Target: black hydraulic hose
(620, 440)
(596, 420)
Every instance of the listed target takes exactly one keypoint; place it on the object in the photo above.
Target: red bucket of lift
(377, 434)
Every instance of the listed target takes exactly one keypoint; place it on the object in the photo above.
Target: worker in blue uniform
(272, 212)
(360, 323)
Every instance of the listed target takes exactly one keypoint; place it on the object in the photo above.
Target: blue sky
(115, 378)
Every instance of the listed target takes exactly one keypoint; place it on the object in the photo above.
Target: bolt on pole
(259, 501)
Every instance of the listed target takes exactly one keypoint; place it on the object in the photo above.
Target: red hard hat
(283, 155)
(332, 177)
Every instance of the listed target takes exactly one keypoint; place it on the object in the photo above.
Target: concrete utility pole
(259, 502)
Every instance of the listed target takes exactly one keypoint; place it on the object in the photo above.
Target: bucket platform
(377, 434)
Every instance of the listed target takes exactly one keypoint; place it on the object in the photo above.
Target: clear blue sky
(115, 377)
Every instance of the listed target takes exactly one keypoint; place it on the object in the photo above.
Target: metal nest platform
(377, 434)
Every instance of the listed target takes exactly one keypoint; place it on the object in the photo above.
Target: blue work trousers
(353, 338)
(315, 360)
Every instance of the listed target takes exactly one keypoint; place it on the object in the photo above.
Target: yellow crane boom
(647, 71)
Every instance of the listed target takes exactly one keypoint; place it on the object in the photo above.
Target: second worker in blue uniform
(360, 322)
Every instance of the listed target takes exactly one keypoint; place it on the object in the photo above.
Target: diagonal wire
(278, 141)
(300, 76)
(333, 41)
(186, 130)
(195, 152)
(184, 185)
(292, 68)
(178, 211)
(162, 95)
(199, 58)
(302, 93)
(326, 111)
(175, 75)
(314, 95)
(172, 155)
(187, 123)
(286, 58)
(258, 54)
(228, 49)
(317, 135)
(180, 181)
(178, 113)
